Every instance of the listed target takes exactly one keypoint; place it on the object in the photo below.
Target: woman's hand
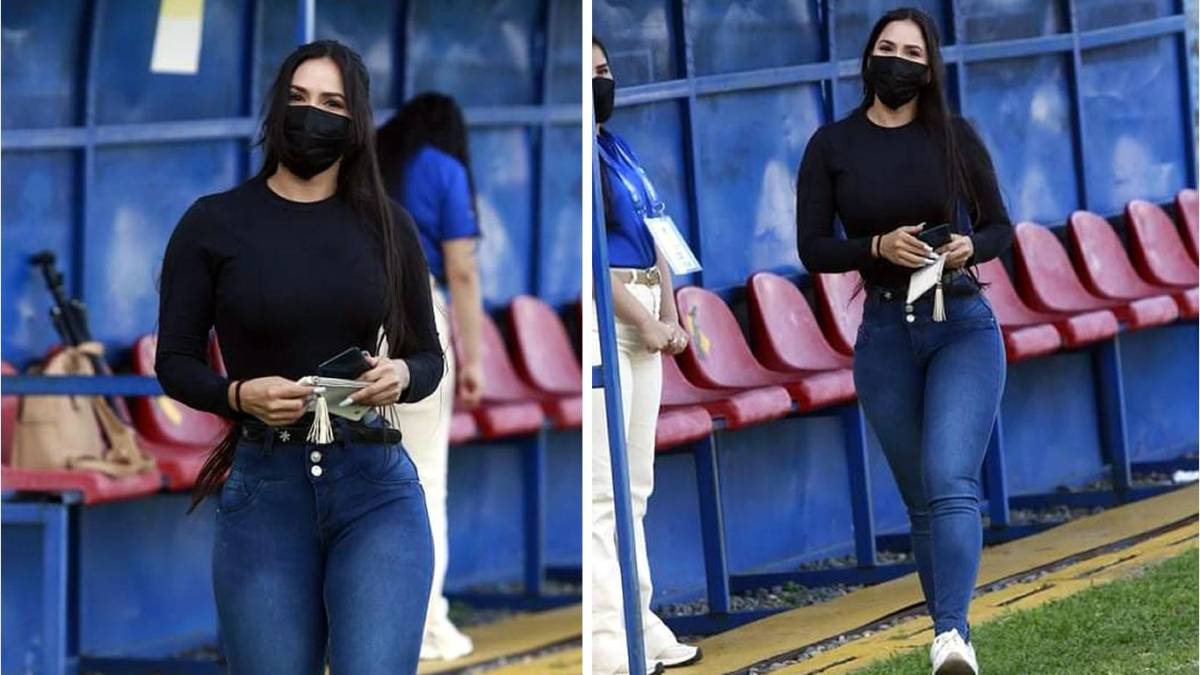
(901, 247)
(958, 251)
(470, 383)
(655, 334)
(678, 341)
(274, 400)
(388, 378)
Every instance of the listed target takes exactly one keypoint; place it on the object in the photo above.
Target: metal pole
(306, 21)
(609, 379)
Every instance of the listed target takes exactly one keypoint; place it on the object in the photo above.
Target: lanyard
(634, 194)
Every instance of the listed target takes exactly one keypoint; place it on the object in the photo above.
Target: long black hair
(610, 222)
(432, 119)
(933, 107)
(360, 184)
(933, 112)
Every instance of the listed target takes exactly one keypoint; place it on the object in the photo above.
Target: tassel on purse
(321, 431)
(939, 302)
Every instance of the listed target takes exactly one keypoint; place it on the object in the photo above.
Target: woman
(326, 544)
(930, 385)
(426, 167)
(647, 326)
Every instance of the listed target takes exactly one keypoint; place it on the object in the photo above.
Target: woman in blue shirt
(426, 167)
(647, 326)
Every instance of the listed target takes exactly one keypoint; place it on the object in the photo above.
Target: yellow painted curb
(515, 635)
(559, 663)
(916, 632)
(778, 634)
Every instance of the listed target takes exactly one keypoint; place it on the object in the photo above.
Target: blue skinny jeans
(931, 392)
(322, 551)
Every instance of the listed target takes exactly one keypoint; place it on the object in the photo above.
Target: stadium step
(773, 638)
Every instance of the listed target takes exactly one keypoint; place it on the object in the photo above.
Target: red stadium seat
(1105, 268)
(178, 437)
(1024, 329)
(738, 407)
(839, 308)
(93, 487)
(718, 357)
(509, 407)
(545, 358)
(1187, 204)
(786, 334)
(11, 407)
(681, 425)
(1158, 252)
(1049, 283)
(462, 427)
(214, 355)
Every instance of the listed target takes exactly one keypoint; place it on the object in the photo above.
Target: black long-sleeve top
(876, 179)
(287, 285)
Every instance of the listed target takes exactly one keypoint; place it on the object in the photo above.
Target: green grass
(1144, 624)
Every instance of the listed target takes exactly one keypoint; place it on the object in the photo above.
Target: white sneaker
(678, 654)
(653, 667)
(951, 656)
(445, 643)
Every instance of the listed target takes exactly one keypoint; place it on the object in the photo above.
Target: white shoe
(653, 667)
(678, 654)
(445, 643)
(951, 656)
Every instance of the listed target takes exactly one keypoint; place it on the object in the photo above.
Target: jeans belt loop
(268, 440)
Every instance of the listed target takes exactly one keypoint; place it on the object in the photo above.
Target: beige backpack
(75, 432)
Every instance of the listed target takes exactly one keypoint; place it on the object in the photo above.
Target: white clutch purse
(926, 278)
(336, 390)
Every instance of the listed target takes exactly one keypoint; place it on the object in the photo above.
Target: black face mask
(313, 139)
(896, 81)
(604, 92)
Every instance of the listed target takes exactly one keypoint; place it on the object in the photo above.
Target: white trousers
(641, 391)
(426, 428)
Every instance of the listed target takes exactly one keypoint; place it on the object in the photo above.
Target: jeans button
(908, 308)
(910, 318)
(317, 470)
(887, 295)
(315, 456)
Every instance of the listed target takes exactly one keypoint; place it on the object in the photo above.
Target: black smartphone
(347, 365)
(936, 236)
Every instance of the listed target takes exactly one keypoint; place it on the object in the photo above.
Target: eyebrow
(886, 41)
(324, 93)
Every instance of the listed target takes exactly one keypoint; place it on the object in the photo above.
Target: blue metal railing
(607, 376)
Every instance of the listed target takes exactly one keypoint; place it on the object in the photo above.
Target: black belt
(951, 284)
(298, 433)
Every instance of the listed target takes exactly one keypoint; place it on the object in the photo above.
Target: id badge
(668, 239)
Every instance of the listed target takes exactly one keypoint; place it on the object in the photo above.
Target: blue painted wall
(1083, 104)
(101, 156)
